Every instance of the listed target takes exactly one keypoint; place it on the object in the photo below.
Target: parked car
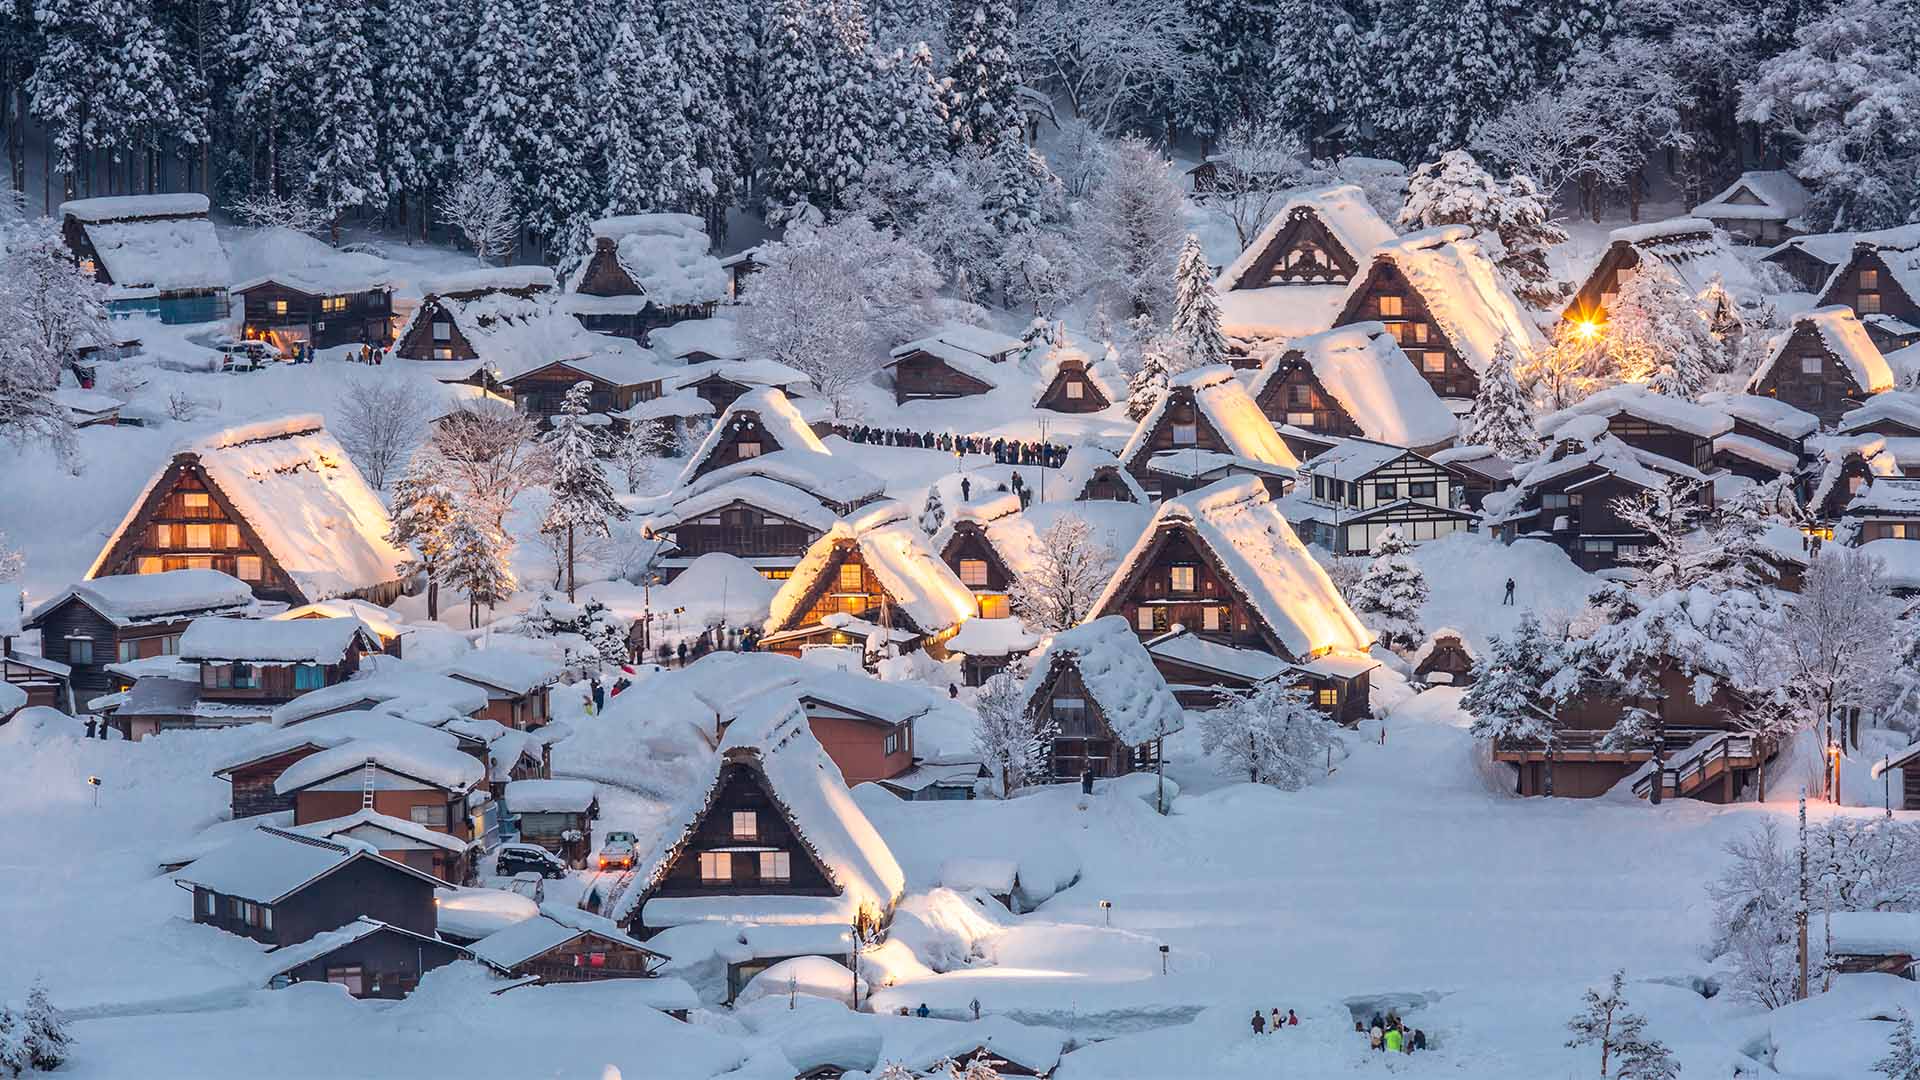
(530, 885)
(517, 859)
(616, 852)
(248, 355)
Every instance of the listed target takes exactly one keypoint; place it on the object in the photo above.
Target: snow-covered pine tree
(894, 1070)
(494, 77)
(1573, 365)
(1271, 733)
(272, 52)
(902, 24)
(916, 131)
(646, 141)
(143, 109)
(1391, 593)
(1313, 73)
(1655, 334)
(412, 106)
(12, 561)
(1643, 1057)
(1149, 382)
(343, 168)
(1520, 686)
(423, 513)
(983, 77)
(790, 108)
(933, 512)
(697, 37)
(48, 1042)
(1069, 570)
(1601, 1019)
(1511, 217)
(563, 192)
(15, 1056)
(583, 501)
(1023, 194)
(1196, 309)
(477, 563)
(1501, 417)
(979, 1067)
(1903, 1053)
(1475, 60)
(852, 103)
(63, 89)
(641, 448)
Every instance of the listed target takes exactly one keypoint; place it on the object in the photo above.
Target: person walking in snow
(1419, 1039)
(1375, 1035)
(1507, 600)
(975, 1006)
(1259, 1023)
(1292, 1020)
(1278, 1021)
(966, 489)
(599, 696)
(923, 1012)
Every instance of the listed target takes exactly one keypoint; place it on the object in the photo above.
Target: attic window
(1869, 303)
(442, 330)
(1180, 578)
(1433, 363)
(1186, 434)
(1870, 280)
(333, 305)
(1810, 365)
(746, 825)
(1076, 390)
(443, 353)
(716, 867)
(278, 307)
(1300, 419)
(748, 449)
(851, 580)
(1392, 307)
(247, 568)
(973, 572)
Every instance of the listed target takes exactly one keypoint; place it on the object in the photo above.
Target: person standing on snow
(1507, 600)
(1277, 1022)
(1259, 1023)
(1374, 1034)
(1292, 1020)
(599, 696)
(1393, 1040)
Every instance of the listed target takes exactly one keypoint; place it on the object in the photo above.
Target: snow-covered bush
(1068, 570)
(1271, 733)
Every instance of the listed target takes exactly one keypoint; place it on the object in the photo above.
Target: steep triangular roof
(922, 589)
(1342, 210)
(1362, 367)
(1119, 675)
(773, 741)
(1841, 331)
(1241, 532)
(775, 417)
(1461, 289)
(1226, 407)
(1082, 465)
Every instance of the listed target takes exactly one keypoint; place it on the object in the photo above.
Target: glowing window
(851, 579)
(973, 571)
(1392, 306)
(716, 866)
(1328, 698)
(1076, 390)
(1180, 579)
(746, 824)
(247, 568)
(1433, 363)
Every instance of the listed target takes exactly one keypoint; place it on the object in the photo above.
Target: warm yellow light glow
(1587, 329)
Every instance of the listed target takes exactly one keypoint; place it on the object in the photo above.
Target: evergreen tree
(477, 563)
(563, 195)
(1313, 74)
(1601, 1020)
(1023, 194)
(494, 77)
(344, 169)
(1475, 58)
(582, 498)
(63, 90)
(903, 24)
(1511, 219)
(1903, 1054)
(1391, 593)
(424, 510)
(1149, 383)
(143, 108)
(48, 1043)
(414, 99)
(792, 94)
(933, 512)
(984, 81)
(1655, 334)
(697, 36)
(271, 52)
(1519, 688)
(1233, 40)
(16, 1056)
(1501, 417)
(852, 102)
(1643, 1057)
(916, 130)
(1196, 309)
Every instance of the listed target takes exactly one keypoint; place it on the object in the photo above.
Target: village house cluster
(392, 783)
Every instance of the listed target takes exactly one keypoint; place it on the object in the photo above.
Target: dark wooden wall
(741, 789)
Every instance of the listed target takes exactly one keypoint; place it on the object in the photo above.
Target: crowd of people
(1261, 1025)
(1004, 451)
(1391, 1035)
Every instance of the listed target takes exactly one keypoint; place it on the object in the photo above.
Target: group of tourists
(1004, 451)
(1261, 1025)
(1391, 1035)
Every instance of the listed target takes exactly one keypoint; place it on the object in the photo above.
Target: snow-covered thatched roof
(1599, 450)
(716, 337)
(1240, 528)
(1119, 675)
(669, 257)
(1772, 414)
(1362, 366)
(512, 335)
(1697, 253)
(1772, 195)
(773, 738)
(1462, 291)
(1226, 406)
(772, 496)
(491, 279)
(987, 345)
(1079, 468)
(1637, 401)
(127, 599)
(514, 945)
(305, 263)
(510, 671)
(1342, 208)
(922, 587)
(1104, 373)
(153, 242)
(1844, 335)
(292, 483)
(1036, 1049)
(776, 416)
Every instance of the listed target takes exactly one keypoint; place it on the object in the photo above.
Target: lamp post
(1163, 959)
(1106, 912)
(94, 783)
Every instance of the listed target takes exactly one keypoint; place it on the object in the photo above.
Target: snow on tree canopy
(1364, 369)
(550, 796)
(1641, 403)
(294, 641)
(1770, 195)
(1463, 292)
(1226, 406)
(126, 599)
(773, 738)
(1242, 529)
(1119, 675)
(303, 262)
(1846, 337)
(669, 256)
(290, 481)
(152, 243)
(444, 767)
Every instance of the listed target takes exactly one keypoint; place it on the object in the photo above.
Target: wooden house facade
(1881, 283)
(155, 254)
(1445, 659)
(281, 888)
(288, 315)
(344, 780)
(1762, 207)
(1102, 703)
(970, 553)
(556, 814)
(1074, 389)
(1826, 365)
(1570, 499)
(645, 271)
(584, 948)
(846, 574)
(278, 505)
(115, 620)
(368, 959)
(1352, 494)
(956, 360)
(1208, 414)
(542, 391)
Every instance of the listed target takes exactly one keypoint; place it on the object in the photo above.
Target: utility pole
(1800, 912)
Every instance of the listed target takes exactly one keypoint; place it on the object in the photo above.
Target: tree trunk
(433, 600)
(1549, 770)
(569, 564)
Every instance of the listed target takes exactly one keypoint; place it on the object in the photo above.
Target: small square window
(851, 578)
(1392, 307)
(1869, 303)
(1076, 390)
(247, 567)
(748, 449)
(716, 867)
(1433, 363)
(307, 677)
(1811, 365)
(442, 331)
(1180, 579)
(195, 500)
(80, 650)
(1186, 434)
(278, 307)
(433, 817)
(746, 825)
(149, 564)
(1210, 618)
(442, 352)
(200, 536)
(1870, 280)
(128, 650)
(1386, 491)
(973, 572)
(1143, 618)
(776, 866)
(1328, 698)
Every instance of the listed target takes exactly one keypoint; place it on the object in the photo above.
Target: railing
(1693, 768)
(1573, 745)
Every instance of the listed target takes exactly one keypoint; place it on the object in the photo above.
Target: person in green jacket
(1393, 1040)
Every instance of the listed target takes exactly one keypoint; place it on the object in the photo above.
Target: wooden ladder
(366, 787)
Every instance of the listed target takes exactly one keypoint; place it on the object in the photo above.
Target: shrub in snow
(477, 563)
(1903, 1054)
(1272, 733)
(1520, 686)
(641, 449)
(894, 1070)
(1655, 333)
(44, 1029)
(1065, 575)
(1755, 929)
(16, 1056)
(1389, 596)
(933, 513)
(480, 206)
(1606, 1021)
